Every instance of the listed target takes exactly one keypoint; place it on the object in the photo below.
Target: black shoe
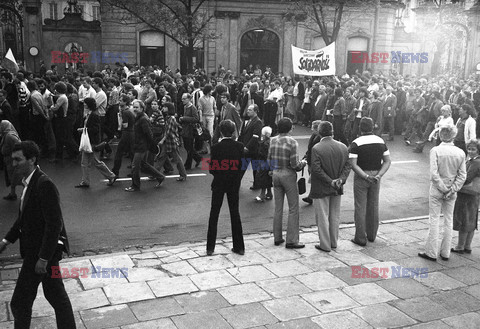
(425, 256)
(407, 142)
(279, 242)
(317, 246)
(82, 185)
(444, 258)
(253, 188)
(240, 252)
(294, 245)
(197, 163)
(112, 180)
(467, 251)
(10, 197)
(308, 200)
(358, 243)
(458, 251)
(209, 252)
(160, 181)
(269, 197)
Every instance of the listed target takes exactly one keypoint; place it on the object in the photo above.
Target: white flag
(9, 62)
(318, 62)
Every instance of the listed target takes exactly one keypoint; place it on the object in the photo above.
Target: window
(82, 9)
(96, 13)
(53, 11)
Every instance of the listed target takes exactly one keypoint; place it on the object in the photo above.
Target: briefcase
(302, 186)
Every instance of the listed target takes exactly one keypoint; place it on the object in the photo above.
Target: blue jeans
(285, 183)
(366, 197)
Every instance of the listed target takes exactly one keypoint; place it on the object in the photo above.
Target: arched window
(356, 46)
(259, 47)
(152, 48)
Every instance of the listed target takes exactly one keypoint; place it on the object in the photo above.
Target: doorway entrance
(259, 47)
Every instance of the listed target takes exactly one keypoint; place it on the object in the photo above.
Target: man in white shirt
(85, 91)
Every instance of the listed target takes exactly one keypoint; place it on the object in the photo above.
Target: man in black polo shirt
(370, 160)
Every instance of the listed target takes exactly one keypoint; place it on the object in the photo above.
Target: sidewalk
(271, 287)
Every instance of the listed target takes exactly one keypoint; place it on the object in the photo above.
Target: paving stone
(405, 288)
(162, 253)
(49, 322)
(420, 263)
(386, 270)
(175, 251)
(393, 238)
(386, 253)
(330, 300)
(463, 321)
(411, 250)
(128, 292)
(220, 249)
(250, 258)
(213, 280)
(283, 287)
(431, 325)
(201, 301)
(243, 294)
(157, 324)
(368, 294)
(340, 320)
(179, 268)
(320, 280)
(106, 317)
(210, 263)
(9, 274)
(156, 308)
(8, 325)
(456, 261)
(290, 308)
(3, 313)
(287, 268)
(383, 316)
(473, 290)
(310, 237)
(440, 281)
(187, 254)
(411, 225)
(349, 275)
(141, 263)
(41, 307)
(204, 320)
(247, 316)
(354, 257)
(321, 262)
(347, 245)
(115, 262)
(456, 301)
(144, 255)
(422, 309)
(278, 253)
(85, 300)
(172, 286)
(465, 274)
(102, 279)
(144, 274)
(71, 263)
(252, 245)
(251, 273)
(305, 323)
(389, 228)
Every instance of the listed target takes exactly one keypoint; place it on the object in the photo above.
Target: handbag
(472, 188)
(85, 145)
(302, 188)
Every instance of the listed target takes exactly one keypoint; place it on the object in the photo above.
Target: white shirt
(277, 93)
(101, 101)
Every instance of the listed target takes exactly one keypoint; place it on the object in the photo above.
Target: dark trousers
(111, 121)
(70, 143)
(124, 146)
(139, 161)
(237, 233)
(38, 135)
(24, 122)
(269, 116)
(338, 127)
(191, 153)
(26, 291)
(248, 161)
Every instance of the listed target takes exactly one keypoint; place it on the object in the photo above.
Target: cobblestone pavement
(270, 287)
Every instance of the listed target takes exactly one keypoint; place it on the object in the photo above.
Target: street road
(108, 217)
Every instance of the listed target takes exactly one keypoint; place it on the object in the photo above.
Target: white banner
(318, 62)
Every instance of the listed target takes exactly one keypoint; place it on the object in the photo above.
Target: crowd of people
(152, 113)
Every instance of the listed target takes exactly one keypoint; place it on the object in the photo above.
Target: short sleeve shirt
(369, 151)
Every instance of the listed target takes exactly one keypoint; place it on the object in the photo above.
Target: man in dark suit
(225, 166)
(43, 238)
(330, 168)
(389, 112)
(227, 112)
(249, 136)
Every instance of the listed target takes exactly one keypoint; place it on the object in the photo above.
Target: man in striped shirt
(283, 156)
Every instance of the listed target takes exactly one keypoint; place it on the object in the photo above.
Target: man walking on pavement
(330, 170)
(447, 175)
(43, 239)
(370, 160)
(283, 153)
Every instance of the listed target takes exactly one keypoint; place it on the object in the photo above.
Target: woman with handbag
(171, 141)
(91, 130)
(465, 213)
(8, 138)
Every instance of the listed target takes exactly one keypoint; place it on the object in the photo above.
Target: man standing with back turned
(43, 238)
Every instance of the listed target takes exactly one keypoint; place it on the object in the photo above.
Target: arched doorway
(152, 48)
(71, 48)
(357, 46)
(259, 47)
(11, 30)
